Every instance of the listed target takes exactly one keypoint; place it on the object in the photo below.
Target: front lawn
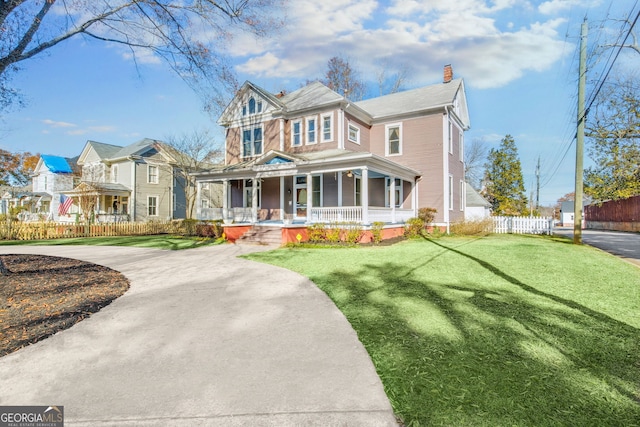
(162, 241)
(496, 331)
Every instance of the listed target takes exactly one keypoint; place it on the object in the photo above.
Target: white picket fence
(522, 224)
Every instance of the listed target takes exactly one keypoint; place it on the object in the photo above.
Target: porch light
(349, 174)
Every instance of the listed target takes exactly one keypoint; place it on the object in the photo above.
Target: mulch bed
(42, 295)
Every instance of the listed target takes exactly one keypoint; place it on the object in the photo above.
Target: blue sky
(518, 59)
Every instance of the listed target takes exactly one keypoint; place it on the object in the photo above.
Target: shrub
(427, 215)
(376, 232)
(211, 229)
(317, 233)
(353, 234)
(188, 227)
(472, 228)
(333, 233)
(414, 227)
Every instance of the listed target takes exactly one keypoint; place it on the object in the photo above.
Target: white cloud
(56, 124)
(553, 7)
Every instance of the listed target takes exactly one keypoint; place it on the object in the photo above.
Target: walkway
(202, 338)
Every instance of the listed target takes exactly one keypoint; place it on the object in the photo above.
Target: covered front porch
(343, 187)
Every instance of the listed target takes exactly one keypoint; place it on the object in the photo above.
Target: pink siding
(365, 132)
(422, 151)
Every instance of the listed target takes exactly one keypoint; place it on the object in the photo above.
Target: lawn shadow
(497, 353)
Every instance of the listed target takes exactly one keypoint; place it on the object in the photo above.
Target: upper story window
(252, 107)
(393, 146)
(311, 130)
(450, 138)
(354, 133)
(45, 183)
(327, 127)
(296, 133)
(252, 141)
(461, 145)
(152, 174)
(114, 173)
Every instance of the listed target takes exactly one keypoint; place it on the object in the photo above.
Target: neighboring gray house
(477, 207)
(133, 183)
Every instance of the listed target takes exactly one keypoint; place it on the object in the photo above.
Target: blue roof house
(52, 176)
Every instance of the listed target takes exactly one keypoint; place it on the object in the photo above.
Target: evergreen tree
(613, 135)
(503, 182)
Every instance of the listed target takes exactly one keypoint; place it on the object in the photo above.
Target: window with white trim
(311, 130)
(393, 145)
(397, 195)
(327, 127)
(461, 145)
(252, 141)
(450, 192)
(450, 137)
(114, 173)
(248, 193)
(152, 205)
(354, 133)
(463, 192)
(296, 133)
(152, 174)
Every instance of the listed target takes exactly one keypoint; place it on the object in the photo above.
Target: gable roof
(313, 95)
(137, 148)
(473, 198)
(55, 164)
(417, 100)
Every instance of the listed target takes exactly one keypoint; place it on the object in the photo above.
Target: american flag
(65, 204)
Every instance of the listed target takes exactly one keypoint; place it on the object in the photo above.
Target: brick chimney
(448, 73)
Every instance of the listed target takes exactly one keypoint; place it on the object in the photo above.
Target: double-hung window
(296, 133)
(354, 133)
(152, 205)
(311, 130)
(252, 141)
(393, 146)
(152, 174)
(327, 127)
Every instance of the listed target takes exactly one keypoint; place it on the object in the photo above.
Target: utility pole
(577, 208)
(538, 184)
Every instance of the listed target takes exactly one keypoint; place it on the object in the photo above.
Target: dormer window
(252, 106)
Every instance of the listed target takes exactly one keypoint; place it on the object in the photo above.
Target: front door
(300, 196)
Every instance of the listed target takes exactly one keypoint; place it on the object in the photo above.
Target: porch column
(309, 197)
(392, 198)
(254, 200)
(414, 197)
(365, 196)
(199, 214)
(339, 189)
(225, 199)
(282, 198)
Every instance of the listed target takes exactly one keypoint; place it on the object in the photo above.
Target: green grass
(159, 242)
(495, 331)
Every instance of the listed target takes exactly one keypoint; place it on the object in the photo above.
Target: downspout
(132, 204)
(445, 165)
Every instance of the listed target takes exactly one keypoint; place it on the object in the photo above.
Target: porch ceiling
(315, 163)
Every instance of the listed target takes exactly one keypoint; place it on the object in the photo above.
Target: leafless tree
(342, 78)
(192, 152)
(475, 156)
(391, 82)
(189, 35)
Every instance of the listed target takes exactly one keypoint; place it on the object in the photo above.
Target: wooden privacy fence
(620, 215)
(17, 230)
(522, 225)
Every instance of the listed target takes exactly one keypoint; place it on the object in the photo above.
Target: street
(624, 245)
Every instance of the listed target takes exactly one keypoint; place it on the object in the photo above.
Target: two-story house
(132, 183)
(313, 155)
(52, 176)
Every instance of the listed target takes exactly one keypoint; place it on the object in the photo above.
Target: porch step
(261, 235)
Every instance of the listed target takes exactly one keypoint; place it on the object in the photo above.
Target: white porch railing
(522, 225)
(386, 215)
(337, 214)
(210, 213)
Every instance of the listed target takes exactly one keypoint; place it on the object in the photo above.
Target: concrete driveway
(202, 338)
(624, 245)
